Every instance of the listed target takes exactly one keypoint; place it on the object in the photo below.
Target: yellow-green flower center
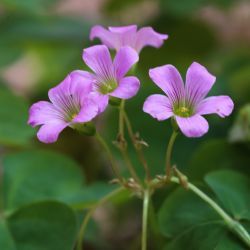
(73, 116)
(108, 86)
(183, 111)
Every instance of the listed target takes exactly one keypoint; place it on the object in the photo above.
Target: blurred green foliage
(13, 118)
(240, 131)
(182, 8)
(43, 192)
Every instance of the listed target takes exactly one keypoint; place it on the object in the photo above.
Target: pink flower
(117, 37)
(108, 76)
(70, 105)
(186, 103)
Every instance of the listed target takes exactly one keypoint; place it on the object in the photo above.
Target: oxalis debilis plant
(83, 95)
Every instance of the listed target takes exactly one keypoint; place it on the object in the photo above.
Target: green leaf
(38, 175)
(218, 154)
(208, 237)
(233, 190)
(14, 130)
(189, 221)
(6, 241)
(90, 195)
(44, 226)
(227, 243)
(177, 213)
(205, 237)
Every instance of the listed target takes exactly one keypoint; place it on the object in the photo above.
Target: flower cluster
(83, 95)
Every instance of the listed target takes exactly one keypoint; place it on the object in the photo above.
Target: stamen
(183, 111)
(107, 86)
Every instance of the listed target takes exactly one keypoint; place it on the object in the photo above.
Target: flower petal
(147, 36)
(82, 73)
(88, 111)
(194, 126)
(115, 37)
(169, 80)
(158, 106)
(49, 133)
(81, 85)
(99, 60)
(198, 83)
(41, 113)
(58, 91)
(123, 29)
(127, 88)
(220, 105)
(78, 84)
(101, 100)
(125, 58)
(81, 81)
(124, 36)
(106, 36)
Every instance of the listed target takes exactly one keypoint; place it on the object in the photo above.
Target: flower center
(73, 116)
(108, 87)
(183, 111)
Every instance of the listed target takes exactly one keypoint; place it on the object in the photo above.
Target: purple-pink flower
(186, 103)
(117, 37)
(71, 104)
(108, 76)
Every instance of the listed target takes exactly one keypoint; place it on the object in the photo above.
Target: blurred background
(41, 41)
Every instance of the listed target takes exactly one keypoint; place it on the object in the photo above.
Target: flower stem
(90, 213)
(121, 119)
(145, 219)
(110, 156)
(138, 150)
(122, 144)
(129, 165)
(233, 225)
(169, 154)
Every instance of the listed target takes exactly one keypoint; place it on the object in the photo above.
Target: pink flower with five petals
(108, 76)
(186, 103)
(70, 105)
